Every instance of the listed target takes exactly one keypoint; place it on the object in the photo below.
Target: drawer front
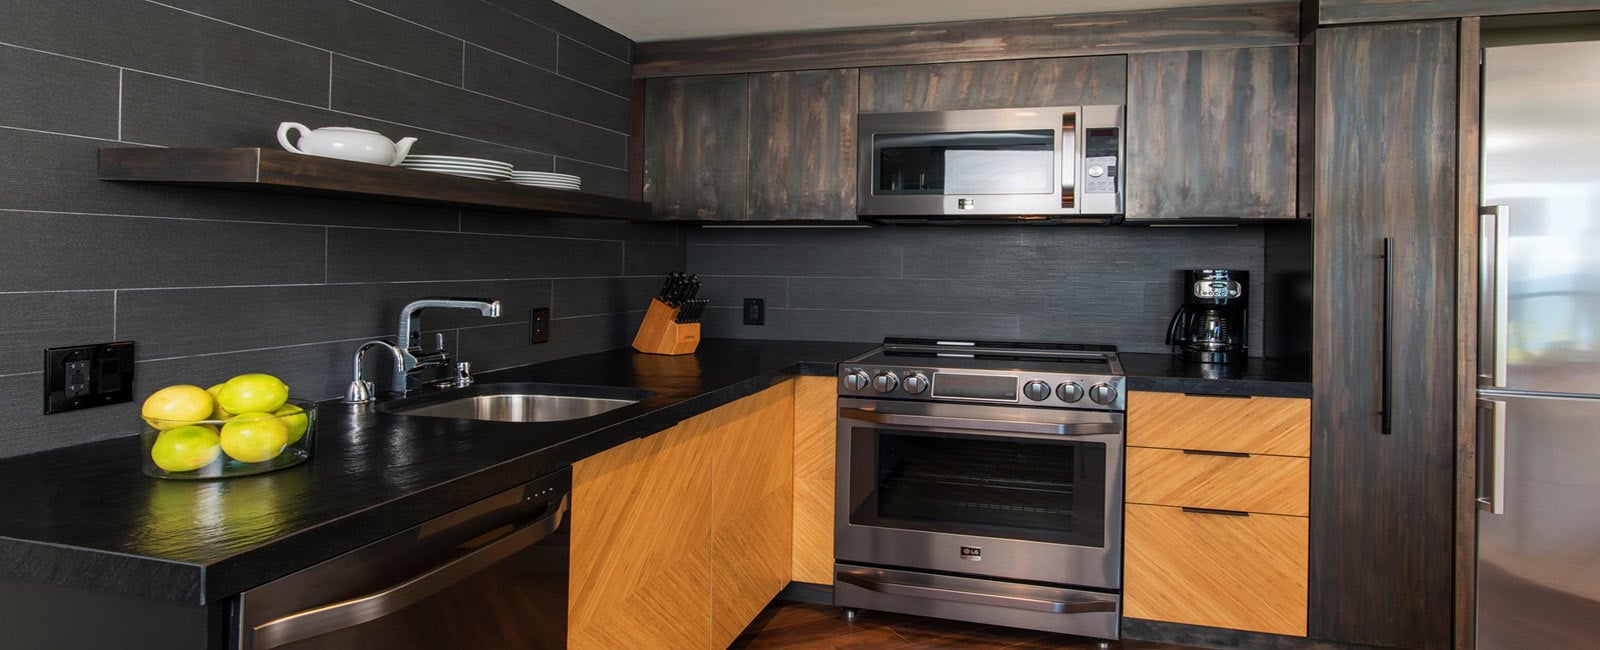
(1216, 570)
(1254, 425)
(1278, 485)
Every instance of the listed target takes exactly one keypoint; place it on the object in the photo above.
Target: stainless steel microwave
(1061, 163)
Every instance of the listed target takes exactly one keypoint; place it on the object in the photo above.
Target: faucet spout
(362, 391)
(413, 359)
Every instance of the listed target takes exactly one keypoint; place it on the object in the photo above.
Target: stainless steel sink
(519, 402)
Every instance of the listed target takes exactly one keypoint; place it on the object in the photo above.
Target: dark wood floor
(805, 626)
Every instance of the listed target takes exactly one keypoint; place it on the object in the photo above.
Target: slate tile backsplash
(213, 282)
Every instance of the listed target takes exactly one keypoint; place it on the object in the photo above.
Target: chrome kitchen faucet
(410, 360)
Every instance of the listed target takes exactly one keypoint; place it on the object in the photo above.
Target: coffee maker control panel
(1217, 289)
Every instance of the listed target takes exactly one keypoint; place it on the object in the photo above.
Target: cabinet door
(1382, 509)
(696, 146)
(752, 506)
(1250, 425)
(1235, 571)
(815, 441)
(641, 544)
(803, 146)
(1211, 134)
(995, 84)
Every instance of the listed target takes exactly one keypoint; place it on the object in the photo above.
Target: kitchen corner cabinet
(763, 147)
(1215, 527)
(815, 442)
(1385, 178)
(1212, 134)
(1083, 80)
(680, 538)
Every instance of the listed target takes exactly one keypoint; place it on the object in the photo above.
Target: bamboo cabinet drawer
(1251, 483)
(1279, 426)
(1237, 571)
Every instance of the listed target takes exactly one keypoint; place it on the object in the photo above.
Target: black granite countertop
(1171, 374)
(86, 517)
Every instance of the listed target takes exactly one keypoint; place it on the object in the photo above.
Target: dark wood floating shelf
(271, 170)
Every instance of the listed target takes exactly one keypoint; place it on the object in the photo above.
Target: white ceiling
(667, 20)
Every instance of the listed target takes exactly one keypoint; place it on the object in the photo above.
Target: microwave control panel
(1100, 161)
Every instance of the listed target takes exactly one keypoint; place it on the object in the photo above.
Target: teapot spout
(402, 148)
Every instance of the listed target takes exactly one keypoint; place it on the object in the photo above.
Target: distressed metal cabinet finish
(1381, 511)
(995, 84)
(696, 140)
(1211, 134)
(1362, 11)
(803, 146)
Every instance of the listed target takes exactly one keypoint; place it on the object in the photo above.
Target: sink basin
(519, 402)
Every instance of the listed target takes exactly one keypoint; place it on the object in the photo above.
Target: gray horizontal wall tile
(314, 372)
(570, 23)
(345, 27)
(593, 67)
(505, 346)
(981, 239)
(479, 23)
(54, 93)
(510, 223)
(592, 296)
(514, 81)
(147, 36)
(183, 322)
(389, 256)
(365, 89)
(651, 258)
(66, 251)
(598, 179)
(797, 260)
(31, 322)
(28, 430)
(730, 291)
(830, 325)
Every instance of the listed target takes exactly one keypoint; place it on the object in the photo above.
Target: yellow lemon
(186, 448)
(253, 393)
(254, 437)
(176, 406)
(295, 419)
(218, 413)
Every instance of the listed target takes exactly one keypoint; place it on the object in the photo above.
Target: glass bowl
(249, 443)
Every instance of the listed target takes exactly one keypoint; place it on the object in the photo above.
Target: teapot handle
(283, 135)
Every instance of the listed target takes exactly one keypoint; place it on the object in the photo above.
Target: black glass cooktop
(994, 355)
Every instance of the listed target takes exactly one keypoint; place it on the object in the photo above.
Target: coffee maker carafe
(1212, 324)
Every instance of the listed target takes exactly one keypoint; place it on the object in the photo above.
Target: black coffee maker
(1212, 326)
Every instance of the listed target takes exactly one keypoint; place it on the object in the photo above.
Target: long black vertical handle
(1387, 412)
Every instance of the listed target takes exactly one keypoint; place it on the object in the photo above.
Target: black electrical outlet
(85, 376)
(755, 311)
(540, 327)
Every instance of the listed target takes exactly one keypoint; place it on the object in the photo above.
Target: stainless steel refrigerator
(1539, 352)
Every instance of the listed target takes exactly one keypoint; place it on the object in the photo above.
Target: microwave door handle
(1069, 160)
(981, 426)
(324, 619)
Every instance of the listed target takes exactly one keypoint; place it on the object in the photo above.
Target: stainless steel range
(982, 481)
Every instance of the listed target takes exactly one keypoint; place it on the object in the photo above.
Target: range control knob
(885, 382)
(1102, 393)
(915, 383)
(857, 380)
(1036, 390)
(1069, 392)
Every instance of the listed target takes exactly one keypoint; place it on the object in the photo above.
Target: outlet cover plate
(86, 376)
(539, 328)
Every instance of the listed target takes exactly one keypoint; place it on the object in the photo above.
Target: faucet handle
(438, 341)
(463, 374)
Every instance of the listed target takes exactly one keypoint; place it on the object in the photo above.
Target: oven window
(1044, 491)
(986, 162)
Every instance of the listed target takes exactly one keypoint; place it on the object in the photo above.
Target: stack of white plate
(488, 170)
(547, 179)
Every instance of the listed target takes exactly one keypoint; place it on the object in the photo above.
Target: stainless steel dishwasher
(490, 575)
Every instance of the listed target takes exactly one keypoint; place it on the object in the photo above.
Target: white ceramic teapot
(345, 143)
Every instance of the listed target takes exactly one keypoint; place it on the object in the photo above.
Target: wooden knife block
(661, 334)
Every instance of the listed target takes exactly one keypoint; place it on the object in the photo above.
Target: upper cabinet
(995, 84)
(695, 147)
(1212, 134)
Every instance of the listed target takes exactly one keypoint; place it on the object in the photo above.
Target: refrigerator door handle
(1494, 277)
(1493, 413)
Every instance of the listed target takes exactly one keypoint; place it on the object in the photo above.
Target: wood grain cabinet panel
(641, 544)
(1279, 426)
(1261, 484)
(1212, 134)
(995, 84)
(696, 140)
(815, 440)
(803, 146)
(1216, 570)
(752, 506)
(1372, 11)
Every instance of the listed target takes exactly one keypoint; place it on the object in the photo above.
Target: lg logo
(972, 553)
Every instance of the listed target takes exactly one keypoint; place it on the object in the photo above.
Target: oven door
(1003, 492)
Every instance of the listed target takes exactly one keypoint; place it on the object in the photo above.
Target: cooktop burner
(1060, 375)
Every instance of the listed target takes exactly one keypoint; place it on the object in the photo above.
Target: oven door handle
(982, 426)
(1049, 605)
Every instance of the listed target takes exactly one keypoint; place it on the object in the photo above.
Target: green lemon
(295, 419)
(254, 437)
(186, 448)
(176, 406)
(253, 393)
